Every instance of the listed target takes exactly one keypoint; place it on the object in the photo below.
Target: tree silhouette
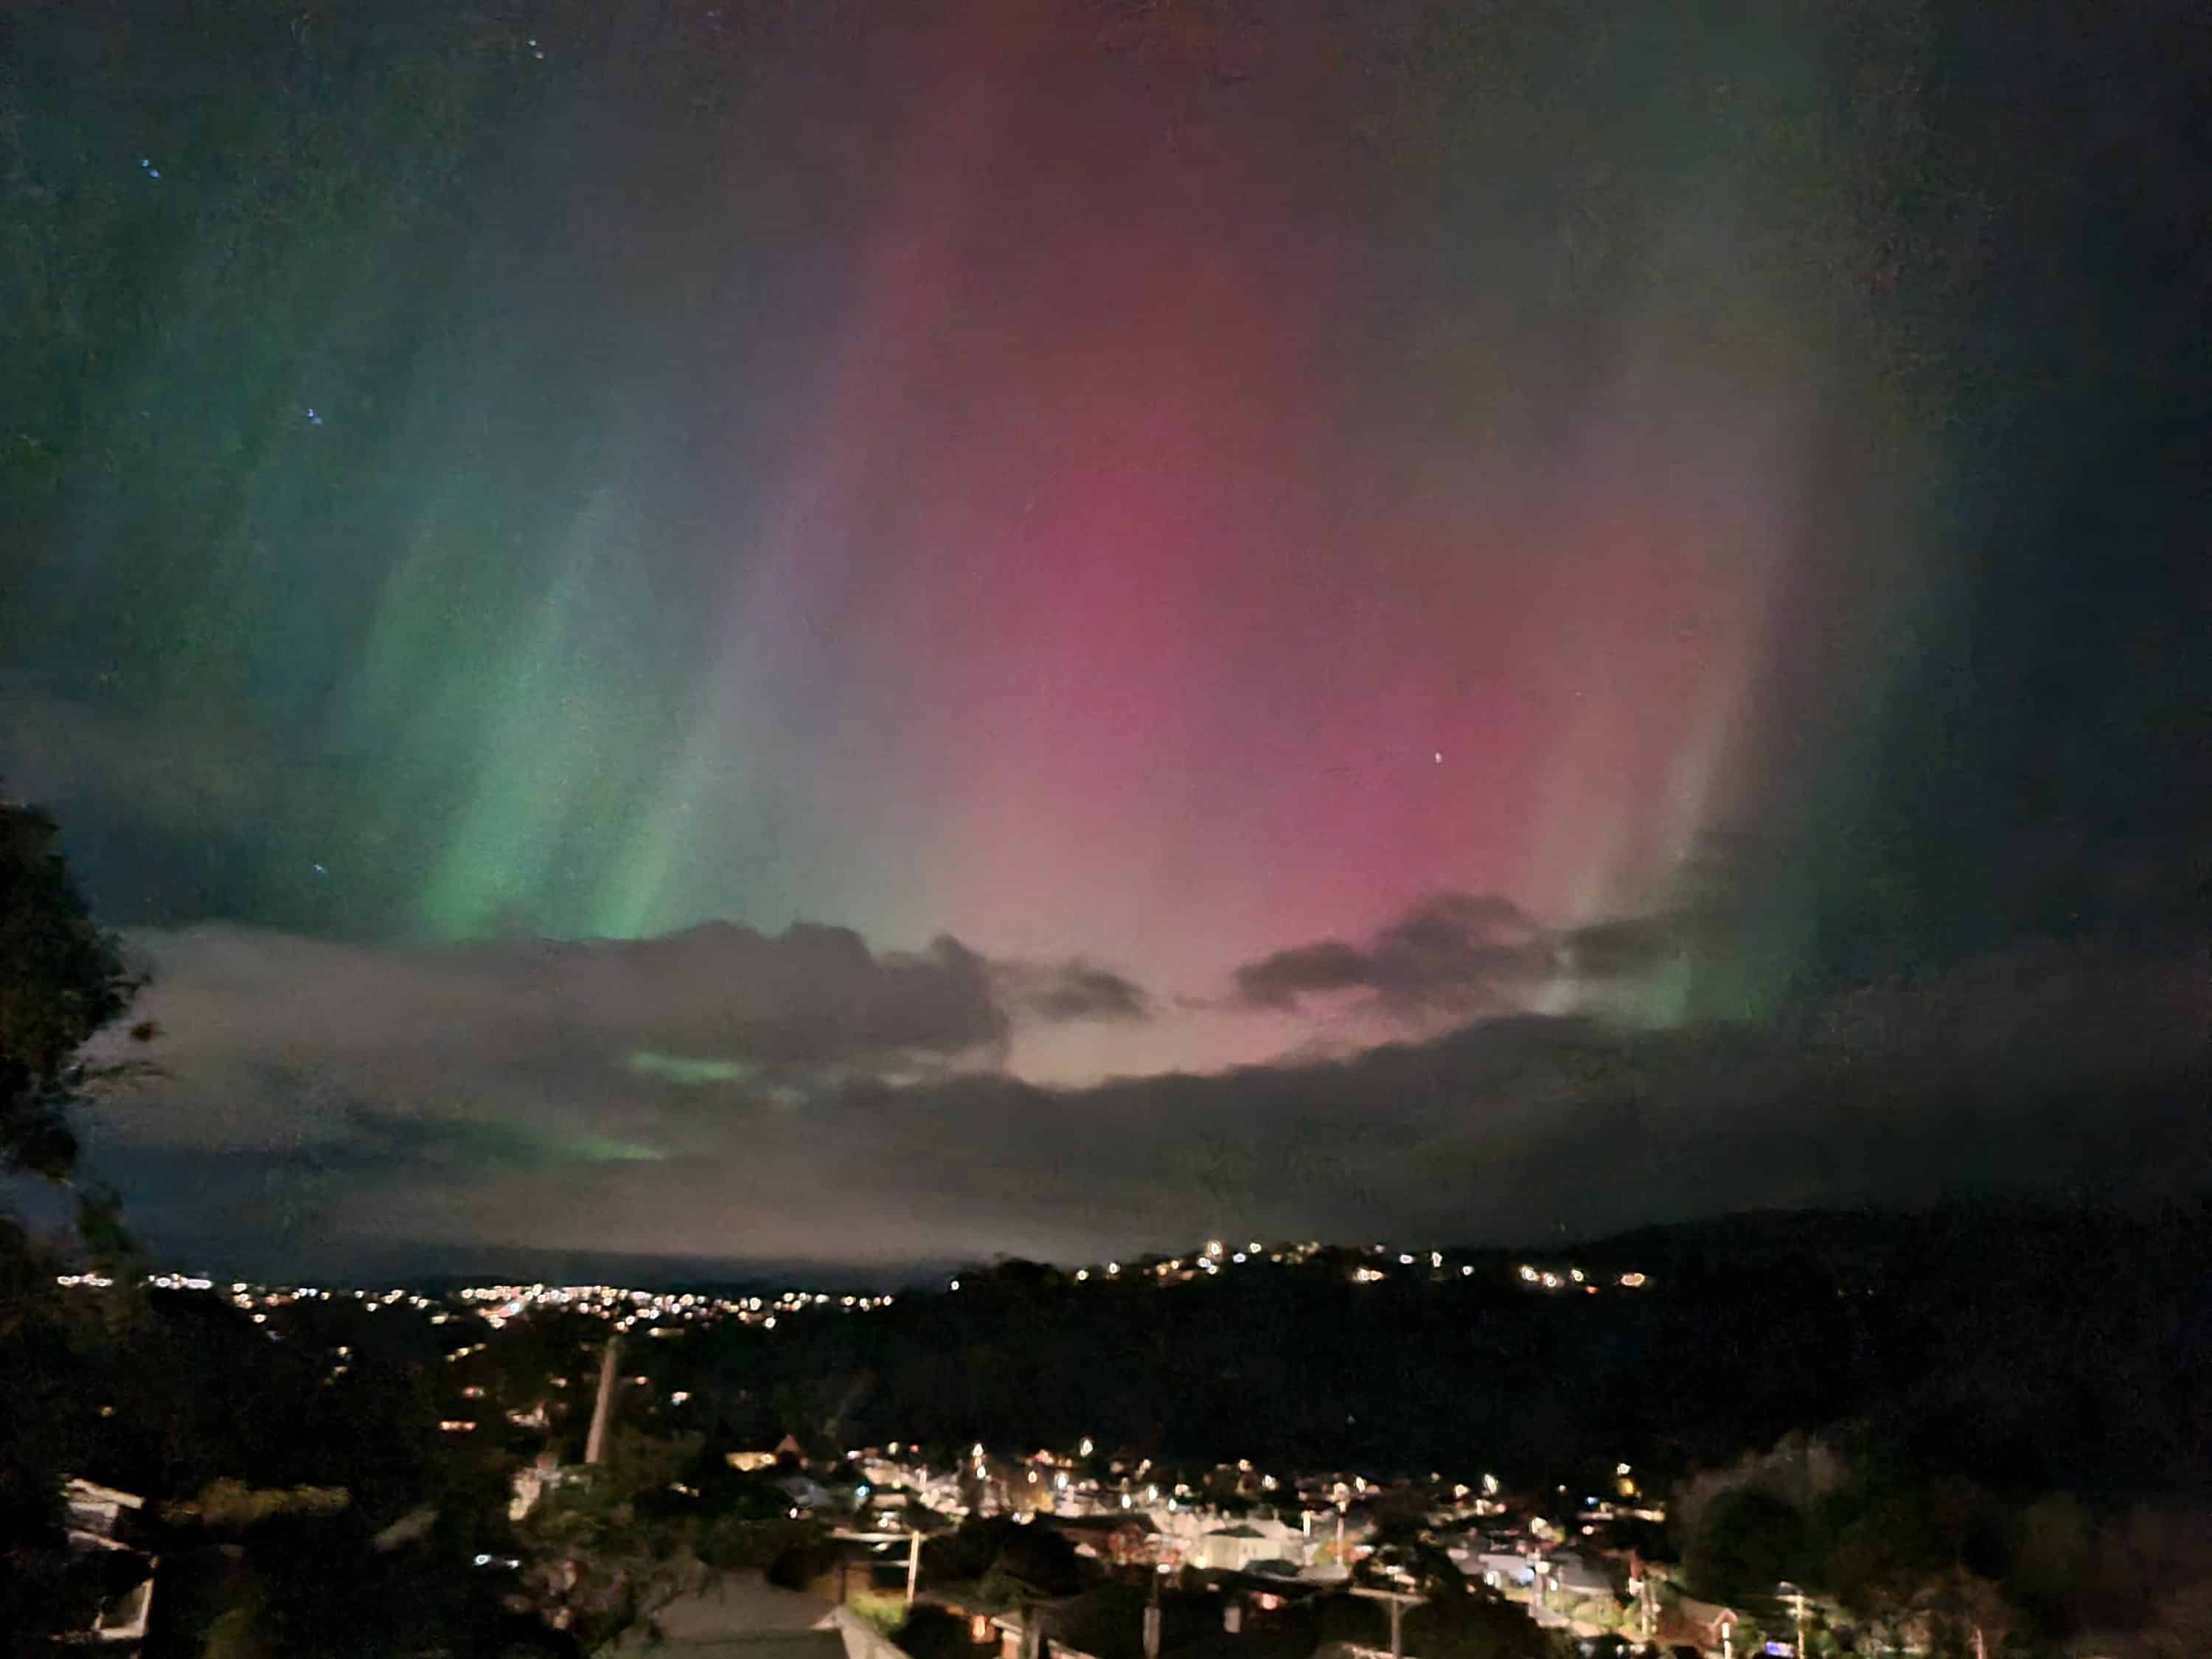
(62, 980)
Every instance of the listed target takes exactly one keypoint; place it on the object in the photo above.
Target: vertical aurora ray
(1161, 486)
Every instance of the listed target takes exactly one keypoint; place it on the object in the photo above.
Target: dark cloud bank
(723, 1096)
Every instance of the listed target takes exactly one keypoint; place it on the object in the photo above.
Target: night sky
(872, 634)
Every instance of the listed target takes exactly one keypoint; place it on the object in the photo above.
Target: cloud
(338, 1059)
(1454, 953)
(1279, 979)
(1514, 1128)
(1076, 989)
(1627, 948)
(326, 1106)
(811, 995)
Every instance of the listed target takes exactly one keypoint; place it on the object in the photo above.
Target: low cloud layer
(1072, 990)
(1457, 953)
(271, 1034)
(721, 1095)
(1457, 956)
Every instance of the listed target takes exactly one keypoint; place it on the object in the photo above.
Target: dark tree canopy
(1747, 1543)
(61, 981)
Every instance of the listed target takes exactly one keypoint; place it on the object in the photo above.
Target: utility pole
(1399, 1601)
(913, 1537)
(595, 1443)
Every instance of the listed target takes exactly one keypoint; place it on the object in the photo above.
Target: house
(1233, 1549)
(1575, 1577)
(742, 1616)
(752, 1462)
(1110, 1622)
(98, 1526)
(805, 1492)
(1501, 1570)
(1703, 1627)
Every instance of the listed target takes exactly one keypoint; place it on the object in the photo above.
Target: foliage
(1479, 1625)
(884, 1609)
(1009, 1563)
(62, 980)
(630, 1557)
(640, 1534)
(232, 1504)
(321, 1585)
(2054, 1550)
(1761, 1325)
(1746, 1542)
(931, 1632)
(240, 1631)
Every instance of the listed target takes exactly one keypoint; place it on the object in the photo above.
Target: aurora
(1110, 542)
